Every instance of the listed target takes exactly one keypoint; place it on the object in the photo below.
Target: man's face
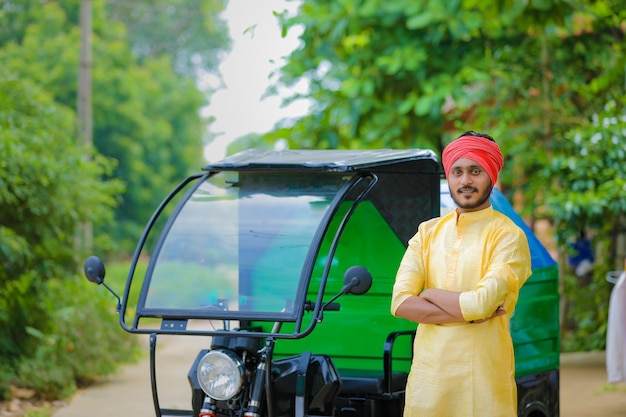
(470, 186)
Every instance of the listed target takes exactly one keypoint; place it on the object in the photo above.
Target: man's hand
(500, 311)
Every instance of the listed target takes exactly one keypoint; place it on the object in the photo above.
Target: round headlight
(220, 374)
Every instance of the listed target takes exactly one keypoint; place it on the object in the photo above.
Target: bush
(586, 314)
(55, 334)
(83, 342)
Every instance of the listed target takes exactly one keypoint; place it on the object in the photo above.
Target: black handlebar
(332, 307)
(310, 306)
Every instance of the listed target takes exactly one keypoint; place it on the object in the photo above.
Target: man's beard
(470, 205)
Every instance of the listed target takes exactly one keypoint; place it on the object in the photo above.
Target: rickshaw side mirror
(94, 270)
(357, 280)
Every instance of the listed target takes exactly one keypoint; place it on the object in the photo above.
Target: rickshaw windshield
(238, 245)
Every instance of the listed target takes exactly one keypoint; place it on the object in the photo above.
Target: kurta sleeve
(507, 270)
(410, 275)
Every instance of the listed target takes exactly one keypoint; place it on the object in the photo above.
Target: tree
(417, 73)
(47, 187)
(588, 180)
(199, 35)
(389, 73)
(145, 116)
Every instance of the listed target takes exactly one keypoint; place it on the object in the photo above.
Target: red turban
(480, 150)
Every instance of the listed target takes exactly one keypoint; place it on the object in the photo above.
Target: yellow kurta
(464, 369)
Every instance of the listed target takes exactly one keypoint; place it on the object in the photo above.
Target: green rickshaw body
(261, 241)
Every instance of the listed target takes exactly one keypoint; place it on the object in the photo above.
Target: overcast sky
(257, 49)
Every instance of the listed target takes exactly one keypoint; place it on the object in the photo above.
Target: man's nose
(466, 178)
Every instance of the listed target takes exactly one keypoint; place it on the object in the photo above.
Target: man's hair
(478, 134)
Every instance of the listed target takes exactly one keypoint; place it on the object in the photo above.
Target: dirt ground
(585, 391)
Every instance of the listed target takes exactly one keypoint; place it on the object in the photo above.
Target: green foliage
(48, 183)
(40, 412)
(15, 19)
(157, 142)
(391, 74)
(82, 342)
(116, 276)
(48, 186)
(586, 312)
(145, 116)
(587, 168)
(588, 184)
(6, 375)
(201, 35)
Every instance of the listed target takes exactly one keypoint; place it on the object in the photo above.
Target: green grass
(614, 388)
(117, 274)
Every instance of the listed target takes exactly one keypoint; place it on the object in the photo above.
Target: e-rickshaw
(285, 262)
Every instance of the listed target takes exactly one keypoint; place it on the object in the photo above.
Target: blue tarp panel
(539, 254)
(540, 257)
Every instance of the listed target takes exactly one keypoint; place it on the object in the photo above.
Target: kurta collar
(472, 216)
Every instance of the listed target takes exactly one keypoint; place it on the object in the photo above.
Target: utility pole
(84, 107)
(84, 81)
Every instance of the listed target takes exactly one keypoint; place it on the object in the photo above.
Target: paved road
(584, 388)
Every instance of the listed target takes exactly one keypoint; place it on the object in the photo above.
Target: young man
(460, 279)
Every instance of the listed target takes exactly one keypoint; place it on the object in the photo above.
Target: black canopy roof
(325, 160)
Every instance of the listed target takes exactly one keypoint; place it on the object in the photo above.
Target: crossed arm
(437, 306)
